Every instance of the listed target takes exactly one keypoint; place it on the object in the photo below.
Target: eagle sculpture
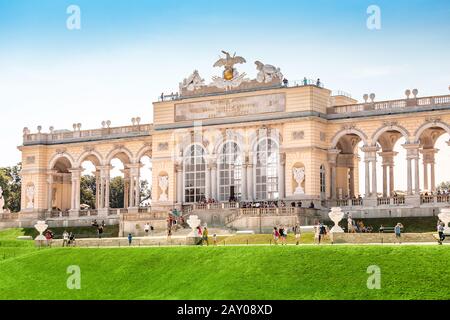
(229, 61)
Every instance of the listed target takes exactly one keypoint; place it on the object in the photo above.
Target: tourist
(130, 239)
(311, 205)
(297, 233)
(65, 239)
(318, 83)
(305, 81)
(49, 237)
(281, 235)
(169, 234)
(100, 231)
(381, 229)
(322, 231)
(276, 235)
(398, 232)
(147, 229)
(151, 230)
(205, 236)
(440, 229)
(72, 239)
(215, 239)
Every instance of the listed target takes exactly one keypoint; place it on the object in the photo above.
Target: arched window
(267, 160)
(194, 174)
(323, 186)
(230, 172)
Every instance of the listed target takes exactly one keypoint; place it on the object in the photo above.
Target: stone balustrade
(431, 102)
(67, 136)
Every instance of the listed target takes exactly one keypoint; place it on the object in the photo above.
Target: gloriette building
(246, 139)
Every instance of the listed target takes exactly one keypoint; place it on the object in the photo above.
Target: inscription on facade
(233, 107)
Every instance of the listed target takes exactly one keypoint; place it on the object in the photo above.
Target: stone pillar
(433, 177)
(244, 182)
(107, 190)
(391, 180)
(281, 176)
(367, 178)
(374, 178)
(49, 191)
(250, 182)
(104, 186)
(425, 175)
(385, 178)
(412, 152)
(179, 170)
(135, 188)
(370, 157)
(332, 161)
(97, 189)
(214, 181)
(208, 183)
(76, 177)
(352, 182)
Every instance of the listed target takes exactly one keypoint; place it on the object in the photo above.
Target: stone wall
(382, 238)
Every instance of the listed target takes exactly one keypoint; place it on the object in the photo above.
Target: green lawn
(229, 272)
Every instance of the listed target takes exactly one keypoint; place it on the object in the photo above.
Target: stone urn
(40, 226)
(444, 216)
(193, 238)
(336, 215)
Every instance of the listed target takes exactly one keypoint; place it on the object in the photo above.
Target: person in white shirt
(147, 228)
(65, 238)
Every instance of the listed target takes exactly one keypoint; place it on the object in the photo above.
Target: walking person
(100, 231)
(322, 231)
(297, 233)
(276, 235)
(205, 236)
(440, 229)
(398, 232)
(147, 229)
(169, 234)
(130, 239)
(215, 239)
(65, 238)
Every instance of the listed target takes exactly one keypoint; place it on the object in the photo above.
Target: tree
(116, 193)
(11, 183)
(444, 186)
(88, 190)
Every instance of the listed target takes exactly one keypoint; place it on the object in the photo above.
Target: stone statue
(299, 176)
(164, 185)
(267, 73)
(336, 216)
(2, 200)
(193, 82)
(231, 77)
(30, 196)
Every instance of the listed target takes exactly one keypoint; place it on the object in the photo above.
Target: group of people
(357, 227)
(68, 239)
(99, 226)
(281, 234)
(203, 233)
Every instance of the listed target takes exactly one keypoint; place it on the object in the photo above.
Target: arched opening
(118, 180)
(60, 196)
(434, 143)
(346, 184)
(145, 181)
(230, 172)
(89, 183)
(194, 174)
(267, 157)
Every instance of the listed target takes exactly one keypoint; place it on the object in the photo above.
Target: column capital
(429, 155)
(332, 155)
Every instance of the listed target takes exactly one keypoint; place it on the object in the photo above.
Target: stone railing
(210, 206)
(64, 136)
(434, 199)
(145, 216)
(9, 216)
(88, 213)
(391, 104)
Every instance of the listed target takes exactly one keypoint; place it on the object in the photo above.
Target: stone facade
(266, 131)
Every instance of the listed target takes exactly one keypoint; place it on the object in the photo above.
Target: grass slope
(253, 272)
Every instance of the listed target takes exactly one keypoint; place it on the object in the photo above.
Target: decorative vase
(336, 215)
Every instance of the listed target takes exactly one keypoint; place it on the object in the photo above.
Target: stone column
(126, 187)
(425, 175)
(97, 188)
(412, 152)
(107, 190)
(135, 188)
(250, 182)
(179, 170)
(391, 180)
(281, 176)
(352, 182)
(332, 161)
(433, 177)
(49, 191)
(208, 183)
(214, 181)
(244, 182)
(370, 157)
(385, 178)
(76, 176)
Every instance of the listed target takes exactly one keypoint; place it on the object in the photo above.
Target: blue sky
(128, 52)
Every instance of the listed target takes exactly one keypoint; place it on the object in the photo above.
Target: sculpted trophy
(299, 176)
(164, 185)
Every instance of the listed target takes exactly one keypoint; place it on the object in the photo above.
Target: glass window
(194, 174)
(267, 160)
(230, 172)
